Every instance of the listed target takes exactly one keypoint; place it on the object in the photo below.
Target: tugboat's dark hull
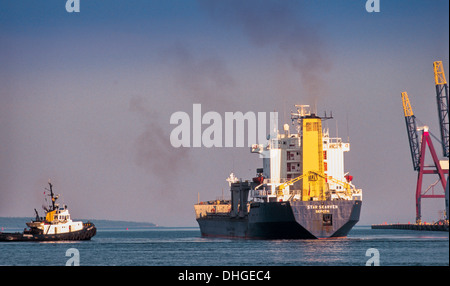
(88, 231)
(286, 220)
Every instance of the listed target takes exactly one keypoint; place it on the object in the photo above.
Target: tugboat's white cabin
(59, 221)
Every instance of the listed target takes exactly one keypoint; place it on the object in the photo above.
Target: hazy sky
(86, 98)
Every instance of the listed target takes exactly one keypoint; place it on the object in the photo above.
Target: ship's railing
(262, 193)
(276, 181)
(335, 140)
(223, 198)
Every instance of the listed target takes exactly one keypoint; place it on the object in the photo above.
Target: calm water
(185, 247)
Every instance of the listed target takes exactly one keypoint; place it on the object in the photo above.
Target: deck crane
(348, 188)
(283, 186)
(418, 155)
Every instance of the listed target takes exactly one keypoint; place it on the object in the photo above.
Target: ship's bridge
(60, 214)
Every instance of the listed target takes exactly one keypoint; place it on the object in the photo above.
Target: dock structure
(414, 226)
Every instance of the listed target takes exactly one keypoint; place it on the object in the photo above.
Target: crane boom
(442, 104)
(291, 182)
(411, 129)
(313, 176)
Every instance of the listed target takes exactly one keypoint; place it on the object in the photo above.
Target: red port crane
(418, 148)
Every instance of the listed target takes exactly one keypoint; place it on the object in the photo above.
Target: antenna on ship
(348, 130)
(296, 117)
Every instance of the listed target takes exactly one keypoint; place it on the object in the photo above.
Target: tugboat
(56, 226)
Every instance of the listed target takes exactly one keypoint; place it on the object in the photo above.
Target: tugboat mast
(52, 196)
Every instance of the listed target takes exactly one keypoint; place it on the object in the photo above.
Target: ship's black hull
(286, 220)
(88, 231)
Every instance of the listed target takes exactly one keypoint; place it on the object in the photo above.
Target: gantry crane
(442, 104)
(418, 150)
(443, 108)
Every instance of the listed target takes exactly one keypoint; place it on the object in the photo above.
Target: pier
(414, 226)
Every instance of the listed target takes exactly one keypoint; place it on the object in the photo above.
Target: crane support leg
(446, 200)
(418, 197)
(436, 169)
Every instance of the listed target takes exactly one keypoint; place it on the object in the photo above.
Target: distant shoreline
(19, 223)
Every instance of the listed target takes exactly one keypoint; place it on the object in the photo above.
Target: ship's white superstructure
(57, 221)
(283, 163)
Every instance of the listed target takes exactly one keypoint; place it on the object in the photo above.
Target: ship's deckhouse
(288, 156)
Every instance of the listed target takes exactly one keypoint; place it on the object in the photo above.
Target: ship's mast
(52, 196)
(296, 117)
(302, 112)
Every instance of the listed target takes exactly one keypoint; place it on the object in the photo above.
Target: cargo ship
(301, 192)
(57, 225)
